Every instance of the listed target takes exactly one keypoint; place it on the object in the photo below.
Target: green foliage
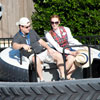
(81, 16)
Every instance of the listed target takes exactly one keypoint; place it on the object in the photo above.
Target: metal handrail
(35, 64)
(89, 52)
(95, 41)
(5, 42)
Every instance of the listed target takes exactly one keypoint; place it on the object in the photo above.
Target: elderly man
(27, 38)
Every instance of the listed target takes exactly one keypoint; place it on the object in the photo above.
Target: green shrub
(81, 16)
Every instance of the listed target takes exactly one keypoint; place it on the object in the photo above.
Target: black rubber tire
(83, 89)
(12, 73)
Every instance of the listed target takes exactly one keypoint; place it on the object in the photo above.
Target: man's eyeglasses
(26, 26)
(55, 22)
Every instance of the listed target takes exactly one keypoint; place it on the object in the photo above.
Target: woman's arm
(71, 39)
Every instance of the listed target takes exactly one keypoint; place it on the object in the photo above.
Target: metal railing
(90, 40)
(5, 42)
(89, 53)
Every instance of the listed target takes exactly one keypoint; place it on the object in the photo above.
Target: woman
(60, 36)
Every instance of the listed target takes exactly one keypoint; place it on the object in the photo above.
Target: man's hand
(26, 47)
(17, 46)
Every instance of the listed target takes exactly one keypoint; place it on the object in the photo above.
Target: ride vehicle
(16, 68)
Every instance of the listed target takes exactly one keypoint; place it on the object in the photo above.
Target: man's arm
(44, 44)
(17, 46)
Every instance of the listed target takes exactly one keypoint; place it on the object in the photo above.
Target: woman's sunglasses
(54, 22)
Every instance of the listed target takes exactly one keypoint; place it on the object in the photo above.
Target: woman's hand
(74, 53)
